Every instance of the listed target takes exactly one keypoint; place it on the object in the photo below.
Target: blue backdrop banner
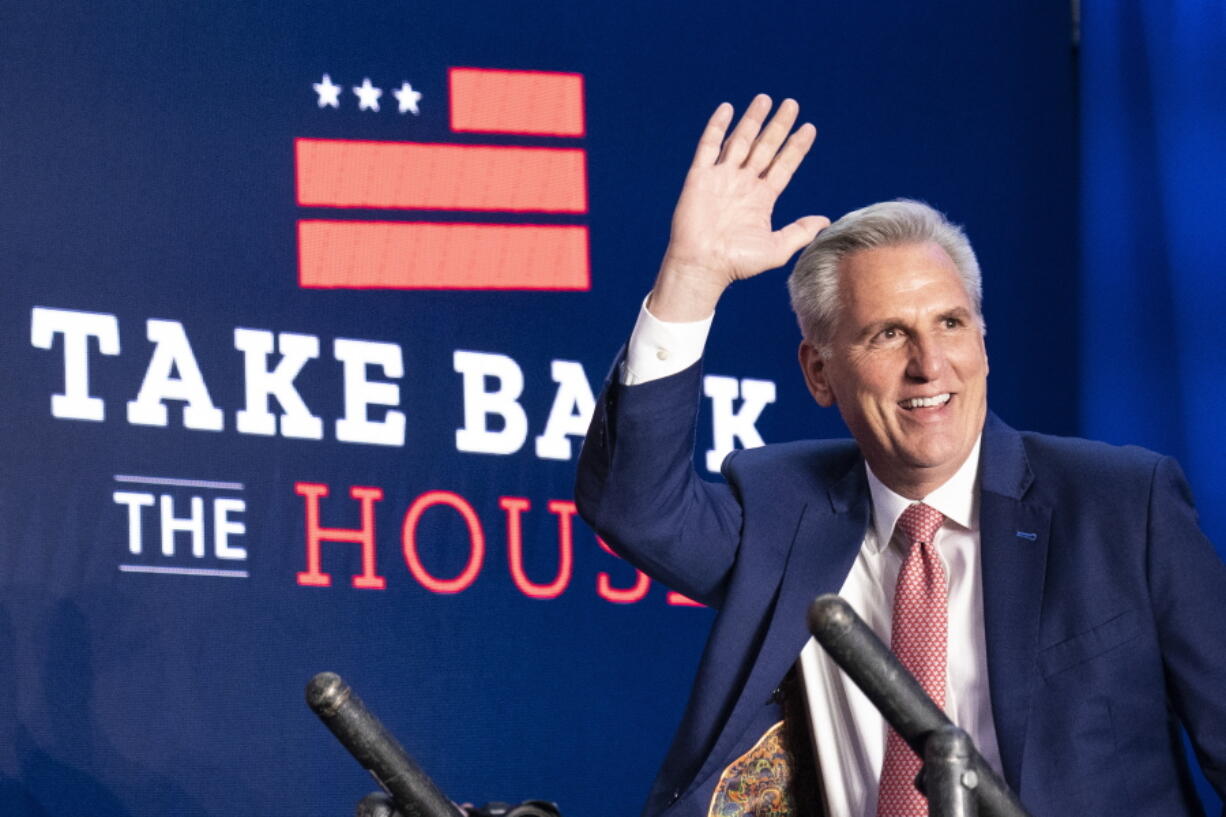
(1153, 160)
(307, 303)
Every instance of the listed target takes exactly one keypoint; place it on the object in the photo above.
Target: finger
(712, 136)
(780, 171)
(737, 146)
(797, 235)
(764, 150)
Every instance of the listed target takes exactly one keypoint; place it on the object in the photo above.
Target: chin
(936, 456)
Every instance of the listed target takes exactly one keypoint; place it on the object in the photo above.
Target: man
(1056, 597)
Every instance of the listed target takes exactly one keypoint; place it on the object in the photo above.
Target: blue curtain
(1153, 338)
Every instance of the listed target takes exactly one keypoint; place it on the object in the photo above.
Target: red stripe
(532, 102)
(415, 255)
(416, 176)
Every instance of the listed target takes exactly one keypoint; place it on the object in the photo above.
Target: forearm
(638, 489)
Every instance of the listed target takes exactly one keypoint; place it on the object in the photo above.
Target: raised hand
(721, 228)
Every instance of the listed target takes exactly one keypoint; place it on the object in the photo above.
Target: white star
(328, 93)
(368, 95)
(408, 98)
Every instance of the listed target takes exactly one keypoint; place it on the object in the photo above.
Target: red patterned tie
(918, 638)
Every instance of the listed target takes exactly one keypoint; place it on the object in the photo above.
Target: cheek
(878, 383)
(876, 406)
(869, 379)
(970, 359)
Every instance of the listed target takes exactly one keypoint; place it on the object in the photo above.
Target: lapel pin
(1027, 535)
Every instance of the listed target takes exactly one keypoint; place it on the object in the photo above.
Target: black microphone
(896, 693)
(365, 737)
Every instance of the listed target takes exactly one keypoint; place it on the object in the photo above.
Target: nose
(926, 359)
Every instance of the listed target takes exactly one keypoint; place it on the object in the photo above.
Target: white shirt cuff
(661, 348)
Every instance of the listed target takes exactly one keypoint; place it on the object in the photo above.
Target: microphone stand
(956, 779)
(413, 793)
(949, 779)
(407, 791)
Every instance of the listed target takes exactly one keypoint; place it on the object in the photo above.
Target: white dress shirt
(848, 732)
(661, 348)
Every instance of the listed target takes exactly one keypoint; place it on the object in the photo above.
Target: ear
(814, 369)
(983, 344)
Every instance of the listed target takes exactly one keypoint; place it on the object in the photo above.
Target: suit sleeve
(637, 486)
(1188, 588)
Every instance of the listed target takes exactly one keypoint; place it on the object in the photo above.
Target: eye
(888, 335)
(952, 323)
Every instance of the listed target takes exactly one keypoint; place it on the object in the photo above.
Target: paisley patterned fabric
(758, 783)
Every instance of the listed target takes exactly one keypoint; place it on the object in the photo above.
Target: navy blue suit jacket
(1104, 603)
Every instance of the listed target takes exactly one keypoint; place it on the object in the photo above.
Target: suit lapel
(1013, 548)
(827, 540)
(1013, 545)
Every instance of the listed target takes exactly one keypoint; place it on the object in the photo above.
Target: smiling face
(906, 365)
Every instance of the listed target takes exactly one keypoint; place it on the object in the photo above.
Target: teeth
(926, 402)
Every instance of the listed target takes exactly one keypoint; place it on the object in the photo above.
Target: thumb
(800, 232)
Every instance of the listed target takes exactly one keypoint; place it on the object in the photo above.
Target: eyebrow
(956, 312)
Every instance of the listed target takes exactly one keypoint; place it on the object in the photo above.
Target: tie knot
(920, 522)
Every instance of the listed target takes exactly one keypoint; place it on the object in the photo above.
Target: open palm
(721, 230)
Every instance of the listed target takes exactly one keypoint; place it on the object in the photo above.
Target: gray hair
(814, 282)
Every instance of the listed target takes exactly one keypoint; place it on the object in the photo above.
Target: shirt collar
(957, 498)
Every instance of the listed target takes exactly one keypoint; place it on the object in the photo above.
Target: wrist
(685, 292)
